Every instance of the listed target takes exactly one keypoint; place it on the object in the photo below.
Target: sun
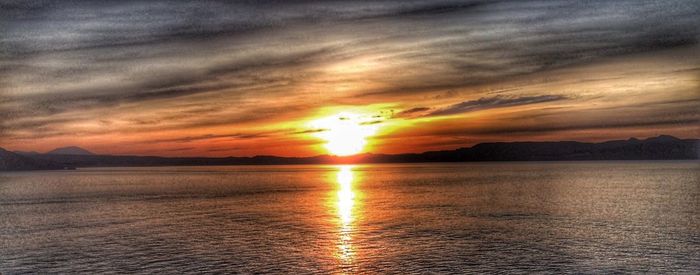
(345, 133)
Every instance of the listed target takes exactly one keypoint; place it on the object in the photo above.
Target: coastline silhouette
(663, 147)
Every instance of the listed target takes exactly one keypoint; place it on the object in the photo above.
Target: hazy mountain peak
(27, 153)
(10, 161)
(663, 138)
(70, 150)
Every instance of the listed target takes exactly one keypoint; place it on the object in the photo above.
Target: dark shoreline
(657, 148)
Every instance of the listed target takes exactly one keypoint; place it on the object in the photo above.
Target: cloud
(181, 149)
(494, 102)
(66, 65)
(310, 131)
(412, 112)
(187, 139)
(531, 129)
(371, 122)
(649, 116)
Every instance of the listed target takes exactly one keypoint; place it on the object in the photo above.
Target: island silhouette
(663, 147)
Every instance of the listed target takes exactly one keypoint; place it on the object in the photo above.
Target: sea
(440, 218)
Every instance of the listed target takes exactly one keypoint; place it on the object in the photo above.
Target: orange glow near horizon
(661, 93)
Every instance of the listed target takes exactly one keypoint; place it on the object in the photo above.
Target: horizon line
(91, 153)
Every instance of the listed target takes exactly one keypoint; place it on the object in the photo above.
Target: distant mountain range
(10, 161)
(70, 150)
(657, 148)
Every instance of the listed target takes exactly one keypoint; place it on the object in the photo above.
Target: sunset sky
(212, 78)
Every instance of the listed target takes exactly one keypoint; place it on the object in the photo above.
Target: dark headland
(70, 150)
(656, 148)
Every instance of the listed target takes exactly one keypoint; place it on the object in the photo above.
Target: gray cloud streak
(494, 102)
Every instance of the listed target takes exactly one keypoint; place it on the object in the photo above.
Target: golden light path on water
(345, 204)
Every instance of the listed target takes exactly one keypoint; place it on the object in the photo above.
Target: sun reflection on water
(346, 197)
(345, 204)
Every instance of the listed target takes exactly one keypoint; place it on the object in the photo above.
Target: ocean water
(565, 217)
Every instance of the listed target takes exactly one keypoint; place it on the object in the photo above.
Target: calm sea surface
(579, 217)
